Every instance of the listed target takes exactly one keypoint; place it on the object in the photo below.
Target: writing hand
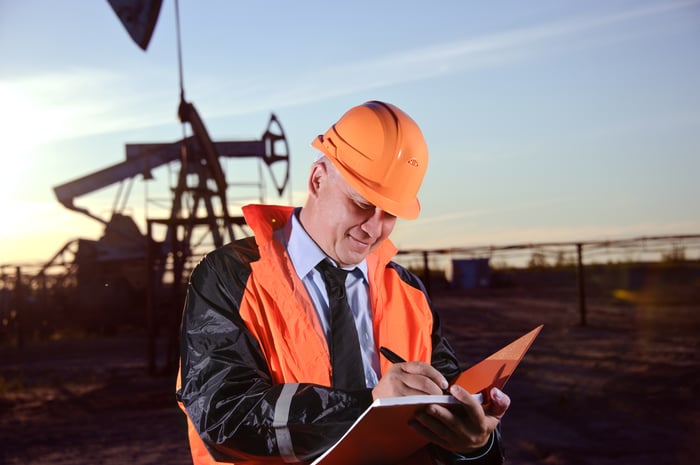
(410, 378)
(466, 428)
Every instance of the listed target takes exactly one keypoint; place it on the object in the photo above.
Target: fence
(581, 256)
(35, 300)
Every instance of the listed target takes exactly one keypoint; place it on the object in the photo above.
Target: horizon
(545, 122)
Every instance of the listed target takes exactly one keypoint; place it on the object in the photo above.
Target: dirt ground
(620, 390)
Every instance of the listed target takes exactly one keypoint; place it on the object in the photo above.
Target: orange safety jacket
(255, 372)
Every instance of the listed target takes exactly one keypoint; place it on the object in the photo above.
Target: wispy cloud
(81, 102)
(464, 214)
(498, 49)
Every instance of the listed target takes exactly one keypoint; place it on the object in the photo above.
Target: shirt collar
(303, 251)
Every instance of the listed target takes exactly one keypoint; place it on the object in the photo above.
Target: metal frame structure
(200, 216)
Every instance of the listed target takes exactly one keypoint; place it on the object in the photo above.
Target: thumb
(499, 403)
(463, 395)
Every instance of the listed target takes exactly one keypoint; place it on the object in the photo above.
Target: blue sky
(546, 120)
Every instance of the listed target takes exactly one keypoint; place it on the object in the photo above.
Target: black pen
(391, 355)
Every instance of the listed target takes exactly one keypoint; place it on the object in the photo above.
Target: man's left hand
(466, 428)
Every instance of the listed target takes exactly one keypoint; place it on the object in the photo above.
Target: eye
(364, 206)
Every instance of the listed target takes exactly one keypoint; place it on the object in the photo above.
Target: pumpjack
(125, 261)
(128, 273)
(200, 197)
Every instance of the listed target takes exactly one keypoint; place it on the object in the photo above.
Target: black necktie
(344, 345)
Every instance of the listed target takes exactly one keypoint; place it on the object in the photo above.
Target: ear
(317, 177)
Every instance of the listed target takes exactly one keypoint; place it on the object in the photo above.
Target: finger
(447, 429)
(422, 378)
(409, 378)
(465, 397)
(498, 403)
(427, 370)
(436, 424)
(479, 421)
(472, 408)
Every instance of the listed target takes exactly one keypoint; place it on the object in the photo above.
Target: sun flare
(20, 127)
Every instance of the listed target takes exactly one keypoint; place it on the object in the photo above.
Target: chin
(350, 259)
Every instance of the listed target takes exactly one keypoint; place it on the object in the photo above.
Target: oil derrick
(130, 274)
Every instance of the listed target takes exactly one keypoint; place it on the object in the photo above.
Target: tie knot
(332, 273)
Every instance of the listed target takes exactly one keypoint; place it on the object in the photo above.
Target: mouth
(360, 244)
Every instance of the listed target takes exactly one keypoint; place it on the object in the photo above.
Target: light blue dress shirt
(305, 254)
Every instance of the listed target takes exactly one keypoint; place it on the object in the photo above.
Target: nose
(376, 223)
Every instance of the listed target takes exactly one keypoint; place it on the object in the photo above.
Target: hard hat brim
(405, 210)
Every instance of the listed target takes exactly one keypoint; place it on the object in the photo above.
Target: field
(623, 389)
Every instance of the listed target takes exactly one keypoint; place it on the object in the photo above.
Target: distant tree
(537, 260)
(563, 259)
(500, 264)
(675, 255)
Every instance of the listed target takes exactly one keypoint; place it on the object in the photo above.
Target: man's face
(349, 226)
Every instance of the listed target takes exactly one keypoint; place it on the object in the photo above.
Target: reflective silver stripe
(284, 439)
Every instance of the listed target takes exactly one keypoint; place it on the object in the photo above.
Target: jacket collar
(265, 220)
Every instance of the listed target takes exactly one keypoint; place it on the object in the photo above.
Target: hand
(410, 378)
(466, 428)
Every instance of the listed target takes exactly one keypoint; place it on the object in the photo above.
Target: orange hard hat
(380, 151)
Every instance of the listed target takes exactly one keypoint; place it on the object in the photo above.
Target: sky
(546, 120)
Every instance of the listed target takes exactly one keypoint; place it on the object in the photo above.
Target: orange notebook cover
(382, 434)
(498, 367)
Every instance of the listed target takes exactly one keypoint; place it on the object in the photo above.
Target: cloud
(463, 214)
(498, 49)
(83, 101)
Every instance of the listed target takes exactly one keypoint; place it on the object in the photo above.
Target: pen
(391, 355)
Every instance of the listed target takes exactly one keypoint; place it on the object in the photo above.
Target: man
(265, 376)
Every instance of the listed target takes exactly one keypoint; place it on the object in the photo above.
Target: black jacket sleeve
(226, 385)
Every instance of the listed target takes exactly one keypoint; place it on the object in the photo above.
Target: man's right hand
(410, 378)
